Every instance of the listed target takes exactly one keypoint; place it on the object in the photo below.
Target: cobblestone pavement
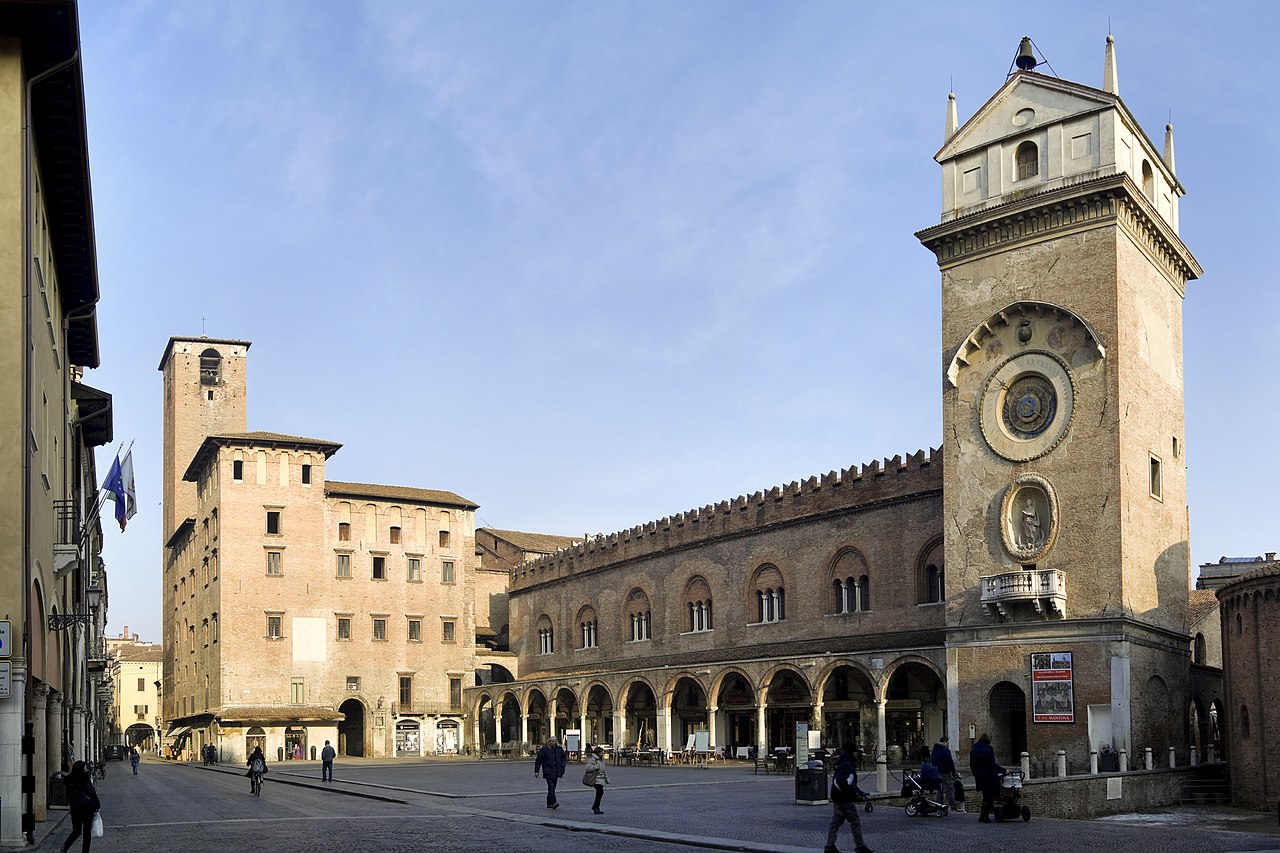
(440, 805)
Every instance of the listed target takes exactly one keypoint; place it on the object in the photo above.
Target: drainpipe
(28, 194)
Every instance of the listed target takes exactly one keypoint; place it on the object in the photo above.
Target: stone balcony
(1024, 592)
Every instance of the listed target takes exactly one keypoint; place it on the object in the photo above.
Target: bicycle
(255, 782)
(97, 770)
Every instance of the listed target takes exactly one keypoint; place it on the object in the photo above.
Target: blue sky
(590, 264)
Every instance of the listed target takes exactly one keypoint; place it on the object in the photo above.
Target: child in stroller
(925, 792)
(1007, 805)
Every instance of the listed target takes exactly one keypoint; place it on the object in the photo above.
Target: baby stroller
(1007, 802)
(923, 801)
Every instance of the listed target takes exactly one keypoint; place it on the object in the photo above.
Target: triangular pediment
(1049, 99)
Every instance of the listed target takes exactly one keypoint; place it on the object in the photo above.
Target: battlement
(876, 482)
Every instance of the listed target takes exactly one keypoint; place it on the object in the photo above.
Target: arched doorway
(1007, 704)
(510, 719)
(737, 704)
(848, 712)
(788, 701)
(255, 738)
(1155, 714)
(1217, 728)
(140, 735)
(642, 716)
(295, 742)
(915, 712)
(688, 712)
(351, 729)
(600, 717)
(539, 724)
(447, 739)
(408, 737)
(567, 714)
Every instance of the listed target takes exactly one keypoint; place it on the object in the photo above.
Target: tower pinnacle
(1110, 81)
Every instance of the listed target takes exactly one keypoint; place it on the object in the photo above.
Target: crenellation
(872, 468)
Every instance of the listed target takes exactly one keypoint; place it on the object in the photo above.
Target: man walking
(844, 787)
(945, 762)
(326, 762)
(134, 758)
(552, 762)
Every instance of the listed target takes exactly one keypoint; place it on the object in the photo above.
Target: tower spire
(1110, 81)
(1168, 147)
(952, 123)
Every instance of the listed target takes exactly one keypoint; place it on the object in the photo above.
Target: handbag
(589, 778)
(97, 825)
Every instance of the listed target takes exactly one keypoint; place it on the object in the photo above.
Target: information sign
(4, 679)
(4, 638)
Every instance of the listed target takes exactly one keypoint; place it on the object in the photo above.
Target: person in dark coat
(82, 802)
(844, 789)
(552, 762)
(942, 759)
(986, 775)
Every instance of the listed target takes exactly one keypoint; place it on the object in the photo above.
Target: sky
(589, 264)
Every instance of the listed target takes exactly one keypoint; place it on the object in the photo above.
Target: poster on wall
(1051, 696)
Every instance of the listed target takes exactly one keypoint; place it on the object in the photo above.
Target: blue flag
(114, 486)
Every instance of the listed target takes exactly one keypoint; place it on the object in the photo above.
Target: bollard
(1093, 761)
(1062, 763)
(1146, 759)
(1173, 757)
(1026, 765)
(1124, 761)
(1212, 758)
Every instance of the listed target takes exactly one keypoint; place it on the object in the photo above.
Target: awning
(179, 731)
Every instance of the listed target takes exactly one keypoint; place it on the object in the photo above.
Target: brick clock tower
(1065, 514)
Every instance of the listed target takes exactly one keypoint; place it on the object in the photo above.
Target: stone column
(53, 731)
(582, 725)
(620, 726)
(762, 733)
(712, 711)
(497, 725)
(12, 727)
(524, 728)
(553, 708)
(43, 761)
(882, 749)
(1173, 758)
(664, 726)
(822, 723)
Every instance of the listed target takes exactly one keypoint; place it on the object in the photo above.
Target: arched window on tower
(1148, 181)
(210, 367)
(1200, 650)
(1027, 160)
(933, 584)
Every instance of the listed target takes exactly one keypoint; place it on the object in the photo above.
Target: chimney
(1271, 555)
(126, 632)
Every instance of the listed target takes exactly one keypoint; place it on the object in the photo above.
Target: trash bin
(1108, 760)
(58, 789)
(811, 784)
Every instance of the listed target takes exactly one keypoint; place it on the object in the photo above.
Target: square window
(297, 691)
(344, 531)
(415, 569)
(395, 536)
(344, 565)
(1157, 481)
(406, 692)
(446, 571)
(444, 539)
(274, 631)
(306, 475)
(455, 693)
(273, 522)
(415, 630)
(379, 568)
(353, 682)
(237, 469)
(447, 632)
(344, 627)
(275, 563)
(380, 629)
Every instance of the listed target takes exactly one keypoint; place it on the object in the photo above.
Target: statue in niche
(1032, 535)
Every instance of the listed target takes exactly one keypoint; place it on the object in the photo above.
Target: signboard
(1051, 695)
(573, 740)
(4, 679)
(802, 743)
(4, 638)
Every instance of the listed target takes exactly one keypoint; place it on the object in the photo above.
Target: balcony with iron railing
(68, 534)
(1042, 592)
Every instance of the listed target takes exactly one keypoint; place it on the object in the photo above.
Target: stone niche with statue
(1028, 518)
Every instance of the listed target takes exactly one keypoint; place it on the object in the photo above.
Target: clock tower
(1064, 502)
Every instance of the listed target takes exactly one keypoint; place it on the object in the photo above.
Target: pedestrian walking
(986, 775)
(552, 762)
(82, 802)
(596, 776)
(844, 788)
(945, 762)
(134, 758)
(326, 762)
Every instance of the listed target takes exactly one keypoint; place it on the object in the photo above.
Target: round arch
(930, 573)
(640, 702)
(1007, 706)
(351, 729)
(535, 710)
(848, 581)
(847, 691)
(913, 690)
(688, 700)
(788, 699)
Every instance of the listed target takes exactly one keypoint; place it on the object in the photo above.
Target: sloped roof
(398, 493)
(1200, 603)
(538, 543)
(278, 713)
(252, 439)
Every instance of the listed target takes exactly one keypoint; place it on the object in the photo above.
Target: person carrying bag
(82, 802)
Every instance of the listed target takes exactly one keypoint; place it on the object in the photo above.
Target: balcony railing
(66, 550)
(1043, 591)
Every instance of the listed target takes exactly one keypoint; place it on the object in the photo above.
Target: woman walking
(596, 776)
(82, 801)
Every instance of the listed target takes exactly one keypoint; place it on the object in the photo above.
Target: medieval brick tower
(1064, 503)
(205, 385)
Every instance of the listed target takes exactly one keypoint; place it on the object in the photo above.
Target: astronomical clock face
(1027, 406)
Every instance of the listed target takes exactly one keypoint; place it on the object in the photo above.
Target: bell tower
(1064, 500)
(205, 386)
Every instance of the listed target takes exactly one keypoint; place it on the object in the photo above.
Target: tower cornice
(1083, 206)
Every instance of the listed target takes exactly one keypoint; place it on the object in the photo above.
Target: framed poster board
(572, 741)
(1052, 699)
